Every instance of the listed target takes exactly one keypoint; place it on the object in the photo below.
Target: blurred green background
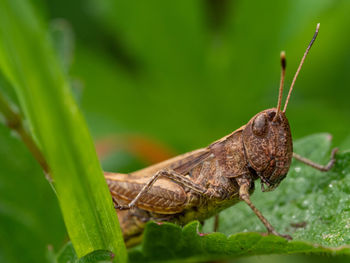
(169, 77)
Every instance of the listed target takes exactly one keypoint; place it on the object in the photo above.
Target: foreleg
(244, 186)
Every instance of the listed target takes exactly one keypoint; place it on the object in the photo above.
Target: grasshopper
(201, 183)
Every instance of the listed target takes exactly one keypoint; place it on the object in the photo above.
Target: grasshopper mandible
(201, 183)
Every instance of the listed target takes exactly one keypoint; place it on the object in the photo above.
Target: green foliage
(29, 215)
(170, 243)
(185, 73)
(60, 131)
(67, 254)
(183, 80)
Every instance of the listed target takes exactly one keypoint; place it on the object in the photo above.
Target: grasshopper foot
(122, 207)
(287, 237)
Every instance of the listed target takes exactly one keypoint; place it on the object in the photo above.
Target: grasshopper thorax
(268, 147)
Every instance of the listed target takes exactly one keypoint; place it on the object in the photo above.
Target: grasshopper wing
(165, 196)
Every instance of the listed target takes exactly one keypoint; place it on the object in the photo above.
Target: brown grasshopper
(201, 183)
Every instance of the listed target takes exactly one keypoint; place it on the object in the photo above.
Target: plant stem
(14, 122)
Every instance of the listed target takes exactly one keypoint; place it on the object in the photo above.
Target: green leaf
(29, 62)
(168, 242)
(317, 201)
(99, 256)
(67, 254)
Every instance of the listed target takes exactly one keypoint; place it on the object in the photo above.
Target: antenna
(283, 73)
(300, 65)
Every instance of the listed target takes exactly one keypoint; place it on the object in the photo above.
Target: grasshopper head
(268, 147)
(267, 139)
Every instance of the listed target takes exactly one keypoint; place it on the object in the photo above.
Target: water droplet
(330, 185)
(297, 169)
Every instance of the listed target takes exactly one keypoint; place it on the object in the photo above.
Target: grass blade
(29, 62)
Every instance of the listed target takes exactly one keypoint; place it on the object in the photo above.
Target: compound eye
(260, 125)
